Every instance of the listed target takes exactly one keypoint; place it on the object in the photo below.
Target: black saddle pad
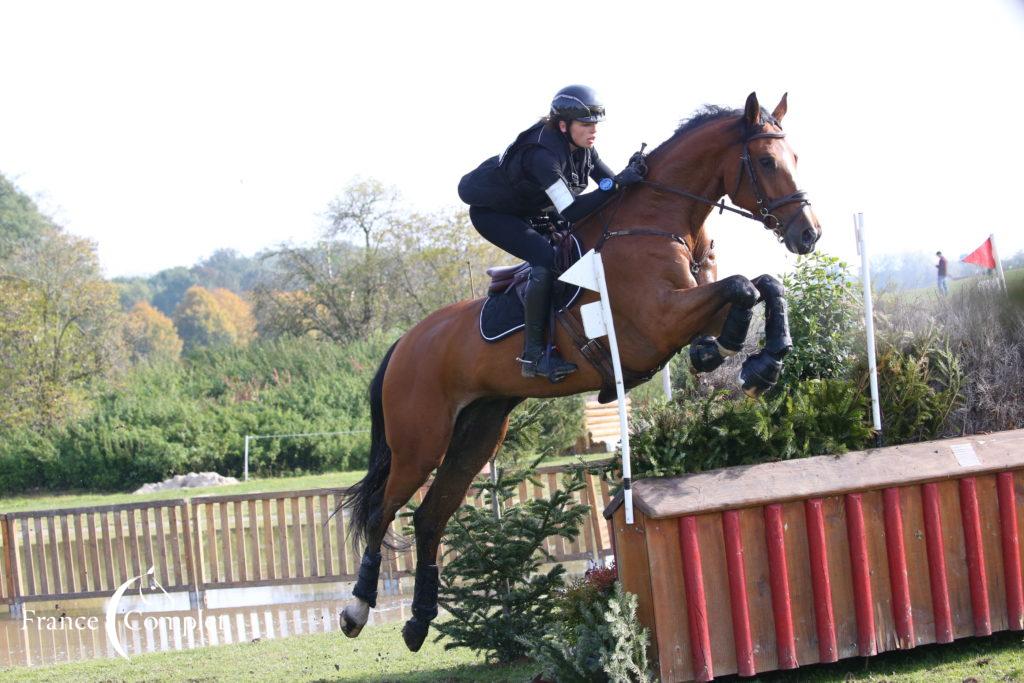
(502, 314)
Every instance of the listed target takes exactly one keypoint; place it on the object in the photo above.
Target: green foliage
(169, 287)
(595, 636)
(491, 583)
(822, 320)
(828, 416)
(693, 434)
(167, 418)
(919, 386)
(20, 219)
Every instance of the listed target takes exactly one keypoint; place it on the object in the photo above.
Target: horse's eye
(767, 163)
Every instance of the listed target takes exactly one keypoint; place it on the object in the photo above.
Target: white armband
(560, 195)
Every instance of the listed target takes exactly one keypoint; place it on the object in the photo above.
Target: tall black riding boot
(537, 306)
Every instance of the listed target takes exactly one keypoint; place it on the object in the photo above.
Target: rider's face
(581, 134)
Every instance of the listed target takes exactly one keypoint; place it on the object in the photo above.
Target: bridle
(765, 206)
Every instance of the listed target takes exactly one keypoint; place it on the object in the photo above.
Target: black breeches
(514, 235)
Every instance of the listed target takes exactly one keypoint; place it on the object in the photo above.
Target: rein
(766, 206)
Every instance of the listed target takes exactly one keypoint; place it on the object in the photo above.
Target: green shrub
(594, 636)
(828, 416)
(167, 418)
(919, 384)
(823, 320)
(693, 434)
(491, 583)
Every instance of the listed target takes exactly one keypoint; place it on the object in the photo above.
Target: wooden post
(193, 559)
(10, 566)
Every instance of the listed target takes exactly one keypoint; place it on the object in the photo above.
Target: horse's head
(762, 179)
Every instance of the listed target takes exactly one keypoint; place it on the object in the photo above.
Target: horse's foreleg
(479, 431)
(761, 370)
(707, 352)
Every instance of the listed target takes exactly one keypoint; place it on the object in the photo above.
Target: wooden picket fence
(215, 542)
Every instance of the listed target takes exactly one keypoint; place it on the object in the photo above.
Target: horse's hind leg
(478, 434)
(418, 449)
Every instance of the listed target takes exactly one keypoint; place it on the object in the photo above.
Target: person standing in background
(943, 274)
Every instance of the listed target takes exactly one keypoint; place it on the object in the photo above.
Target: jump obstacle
(778, 565)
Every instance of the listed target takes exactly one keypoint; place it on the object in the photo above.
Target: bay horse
(442, 396)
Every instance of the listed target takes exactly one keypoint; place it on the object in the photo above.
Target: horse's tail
(365, 498)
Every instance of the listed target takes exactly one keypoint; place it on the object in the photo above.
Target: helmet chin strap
(567, 134)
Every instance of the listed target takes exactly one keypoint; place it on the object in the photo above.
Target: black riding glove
(635, 171)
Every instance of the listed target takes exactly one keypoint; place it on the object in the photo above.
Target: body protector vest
(508, 183)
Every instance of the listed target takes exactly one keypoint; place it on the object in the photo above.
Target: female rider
(546, 167)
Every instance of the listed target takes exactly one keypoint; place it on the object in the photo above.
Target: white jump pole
(999, 264)
(588, 273)
(620, 387)
(869, 321)
(666, 380)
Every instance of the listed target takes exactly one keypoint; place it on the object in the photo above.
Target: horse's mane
(706, 114)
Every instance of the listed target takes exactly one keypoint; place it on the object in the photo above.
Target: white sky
(166, 130)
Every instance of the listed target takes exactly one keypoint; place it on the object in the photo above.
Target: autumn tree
(202, 321)
(60, 328)
(149, 334)
(345, 277)
(239, 312)
(439, 259)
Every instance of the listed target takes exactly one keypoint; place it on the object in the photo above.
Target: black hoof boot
(414, 633)
(705, 355)
(760, 373)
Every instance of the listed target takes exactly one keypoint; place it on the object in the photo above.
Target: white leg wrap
(724, 351)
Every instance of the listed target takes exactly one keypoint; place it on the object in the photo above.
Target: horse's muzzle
(803, 233)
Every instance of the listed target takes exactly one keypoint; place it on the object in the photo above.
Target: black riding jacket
(536, 173)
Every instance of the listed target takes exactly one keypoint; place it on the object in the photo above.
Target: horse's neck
(691, 163)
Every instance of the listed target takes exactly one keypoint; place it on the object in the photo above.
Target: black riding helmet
(577, 103)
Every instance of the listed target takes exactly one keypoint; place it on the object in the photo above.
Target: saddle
(502, 312)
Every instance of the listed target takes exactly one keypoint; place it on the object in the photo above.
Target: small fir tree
(491, 583)
(595, 635)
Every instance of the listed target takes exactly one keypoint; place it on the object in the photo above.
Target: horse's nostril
(809, 237)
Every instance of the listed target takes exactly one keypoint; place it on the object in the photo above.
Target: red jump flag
(982, 256)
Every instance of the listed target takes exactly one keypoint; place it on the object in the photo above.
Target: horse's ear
(752, 113)
(780, 109)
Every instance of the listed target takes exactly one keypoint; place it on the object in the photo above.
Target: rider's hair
(552, 121)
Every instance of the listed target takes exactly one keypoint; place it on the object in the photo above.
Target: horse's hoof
(760, 372)
(414, 633)
(348, 625)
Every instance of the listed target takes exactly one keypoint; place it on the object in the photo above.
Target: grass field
(51, 501)
(379, 655)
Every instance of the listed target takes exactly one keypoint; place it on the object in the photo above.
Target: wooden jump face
(780, 565)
